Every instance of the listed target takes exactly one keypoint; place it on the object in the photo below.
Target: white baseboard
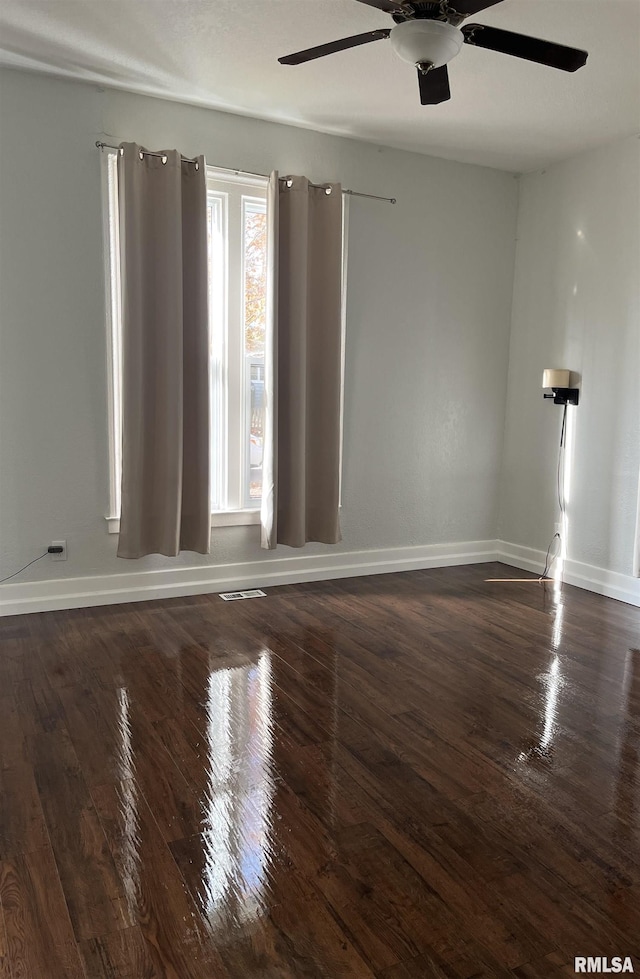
(139, 586)
(63, 593)
(625, 588)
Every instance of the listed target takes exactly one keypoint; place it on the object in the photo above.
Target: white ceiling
(504, 112)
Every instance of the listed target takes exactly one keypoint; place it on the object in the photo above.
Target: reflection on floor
(425, 774)
(237, 805)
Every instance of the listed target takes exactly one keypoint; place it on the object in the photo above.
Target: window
(237, 232)
(237, 221)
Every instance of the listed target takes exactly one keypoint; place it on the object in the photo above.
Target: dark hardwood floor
(425, 774)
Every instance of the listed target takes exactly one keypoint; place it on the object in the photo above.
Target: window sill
(221, 518)
(235, 518)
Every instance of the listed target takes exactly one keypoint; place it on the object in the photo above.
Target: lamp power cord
(20, 570)
(561, 500)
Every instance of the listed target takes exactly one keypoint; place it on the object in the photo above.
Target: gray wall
(576, 305)
(430, 287)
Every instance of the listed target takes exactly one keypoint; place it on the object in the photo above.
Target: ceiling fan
(429, 35)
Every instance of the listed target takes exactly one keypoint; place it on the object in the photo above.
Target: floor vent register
(235, 596)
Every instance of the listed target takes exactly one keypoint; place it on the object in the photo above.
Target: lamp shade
(554, 377)
(426, 41)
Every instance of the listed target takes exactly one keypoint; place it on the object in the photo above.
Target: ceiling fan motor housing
(426, 41)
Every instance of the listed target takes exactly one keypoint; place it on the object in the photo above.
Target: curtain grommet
(164, 160)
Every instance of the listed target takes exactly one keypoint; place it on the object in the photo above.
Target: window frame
(231, 358)
(111, 232)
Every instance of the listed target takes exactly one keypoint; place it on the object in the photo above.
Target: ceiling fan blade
(523, 46)
(468, 7)
(434, 86)
(322, 49)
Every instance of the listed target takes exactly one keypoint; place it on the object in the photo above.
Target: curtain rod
(352, 193)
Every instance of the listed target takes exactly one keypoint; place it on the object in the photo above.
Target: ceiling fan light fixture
(426, 41)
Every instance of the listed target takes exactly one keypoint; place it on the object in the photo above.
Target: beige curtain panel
(165, 339)
(302, 392)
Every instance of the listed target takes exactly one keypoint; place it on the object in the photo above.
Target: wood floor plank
(12, 663)
(12, 748)
(492, 924)
(5, 967)
(255, 922)
(422, 965)
(552, 966)
(80, 848)
(315, 945)
(40, 940)
(22, 825)
(121, 955)
(174, 940)
(408, 776)
(405, 919)
(552, 909)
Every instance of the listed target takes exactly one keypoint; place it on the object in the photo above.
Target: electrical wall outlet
(63, 545)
